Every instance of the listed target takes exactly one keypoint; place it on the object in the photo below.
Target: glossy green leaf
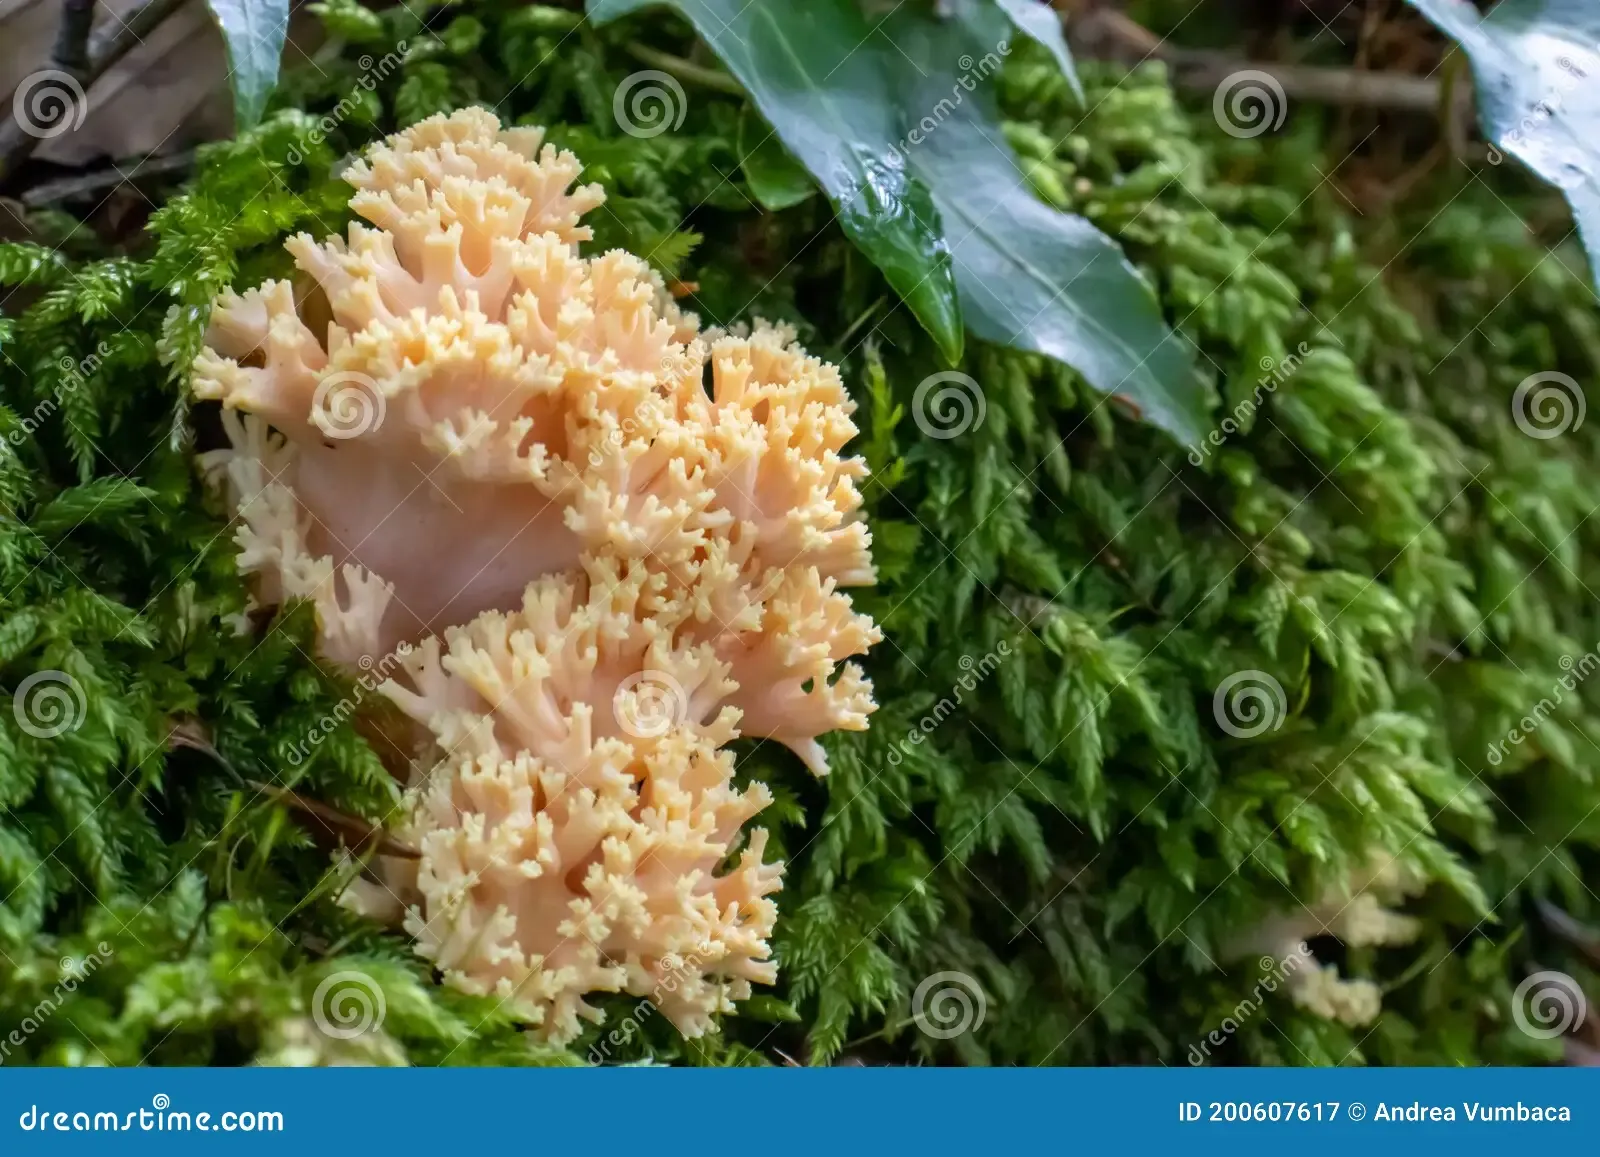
(1030, 276)
(899, 126)
(993, 26)
(254, 32)
(811, 71)
(776, 179)
(604, 11)
(1037, 20)
(1536, 73)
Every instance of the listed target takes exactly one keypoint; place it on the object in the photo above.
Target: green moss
(1063, 593)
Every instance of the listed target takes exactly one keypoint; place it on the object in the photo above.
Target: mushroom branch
(493, 464)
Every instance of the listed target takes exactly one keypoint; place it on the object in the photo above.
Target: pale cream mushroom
(498, 469)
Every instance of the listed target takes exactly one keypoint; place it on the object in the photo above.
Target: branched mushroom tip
(1359, 915)
(494, 466)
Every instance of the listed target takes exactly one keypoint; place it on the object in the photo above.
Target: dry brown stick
(72, 41)
(352, 829)
(84, 184)
(1104, 32)
(1584, 939)
(1340, 86)
(105, 48)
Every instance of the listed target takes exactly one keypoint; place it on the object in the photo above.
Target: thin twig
(1584, 939)
(362, 834)
(85, 184)
(72, 40)
(110, 45)
(337, 823)
(686, 70)
(1113, 35)
(1397, 91)
(105, 48)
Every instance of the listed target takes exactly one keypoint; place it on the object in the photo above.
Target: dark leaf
(828, 92)
(776, 179)
(1032, 277)
(1037, 20)
(254, 31)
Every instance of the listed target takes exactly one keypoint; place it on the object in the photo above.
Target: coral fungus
(499, 459)
(1359, 917)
